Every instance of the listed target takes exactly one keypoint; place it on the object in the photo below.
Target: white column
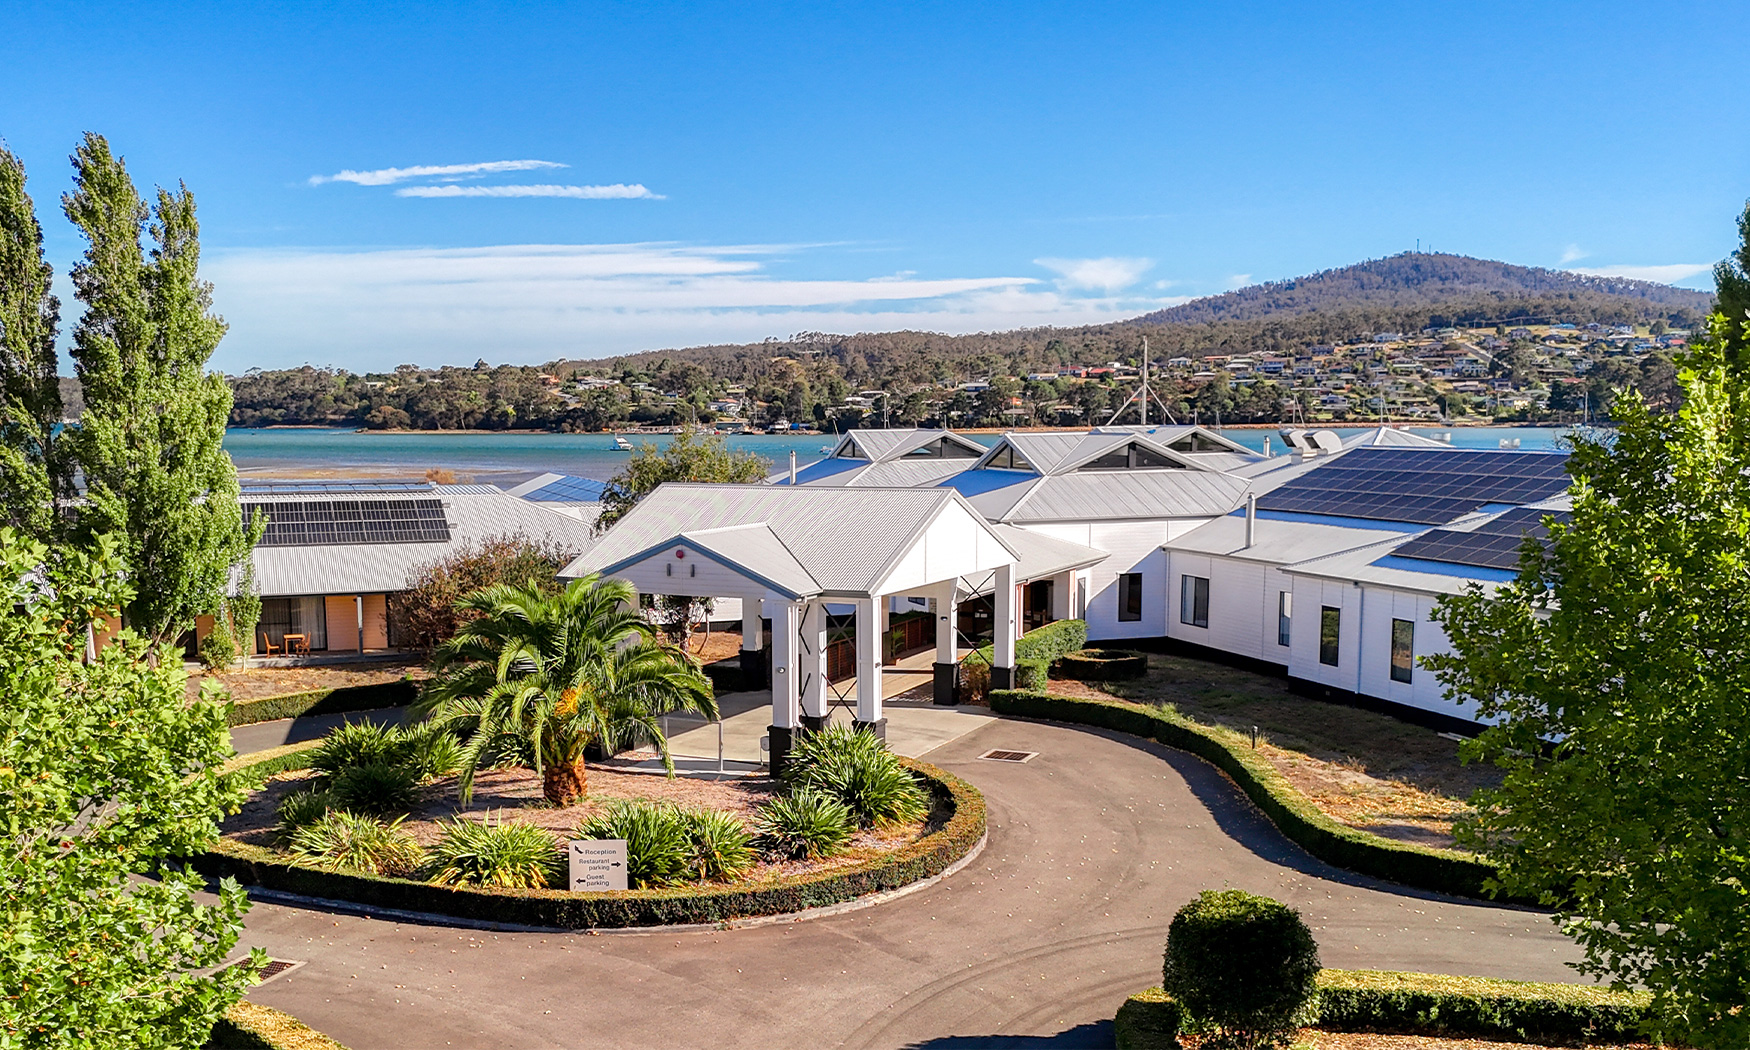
(1003, 628)
(786, 618)
(751, 624)
(947, 624)
(869, 697)
(1063, 596)
(811, 661)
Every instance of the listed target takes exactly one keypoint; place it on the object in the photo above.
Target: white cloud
(1108, 275)
(1238, 280)
(1571, 253)
(1669, 273)
(618, 191)
(387, 176)
(376, 309)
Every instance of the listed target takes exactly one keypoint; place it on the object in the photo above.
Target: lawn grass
(1368, 770)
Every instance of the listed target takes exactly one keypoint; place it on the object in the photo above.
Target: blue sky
(719, 173)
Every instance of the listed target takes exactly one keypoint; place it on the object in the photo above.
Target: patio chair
(267, 646)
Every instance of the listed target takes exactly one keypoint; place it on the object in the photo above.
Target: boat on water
(621, 444)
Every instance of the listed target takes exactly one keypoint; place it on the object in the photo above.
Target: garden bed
(875, 861)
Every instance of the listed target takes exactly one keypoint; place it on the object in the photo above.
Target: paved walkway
(1093, 845)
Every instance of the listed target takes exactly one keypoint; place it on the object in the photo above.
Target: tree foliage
(33, 476)
(1617, 670)
(430, 611)
(1732, 281)
(555, 674)
(691, 456)
(107, 773)
(148, 442)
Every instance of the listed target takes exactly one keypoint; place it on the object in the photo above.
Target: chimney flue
(1251, 518)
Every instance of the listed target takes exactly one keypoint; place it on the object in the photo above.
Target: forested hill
(1424, 280)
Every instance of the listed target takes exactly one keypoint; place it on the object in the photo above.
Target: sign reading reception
(598, 864)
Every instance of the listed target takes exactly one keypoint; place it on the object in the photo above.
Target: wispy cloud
(376, 309)
(1571, 253)
(390, 176)
(1238, 280)
(617, 191)
(1109, 274)
(1669, 273)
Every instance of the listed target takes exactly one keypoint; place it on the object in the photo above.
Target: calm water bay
(343, 451)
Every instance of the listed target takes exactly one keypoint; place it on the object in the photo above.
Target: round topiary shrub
(1103, 665)
(1243, 967)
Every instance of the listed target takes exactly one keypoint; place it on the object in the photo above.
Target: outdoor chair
(267, 646)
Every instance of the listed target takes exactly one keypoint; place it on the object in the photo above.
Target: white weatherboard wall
(957, 543)
(1134, 546)
(663, 573)
(1310, 595)
(1423, 689)
(1242, 605)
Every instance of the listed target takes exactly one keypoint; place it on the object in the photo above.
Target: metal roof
(1040, 555)
(1274, 540)
(1126, 494)
(880, 446)
(842, 540)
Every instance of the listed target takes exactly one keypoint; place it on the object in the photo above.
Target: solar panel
(1492, 545)
(1420, 486)
(338, 488)
(315, 523)
(568, 490)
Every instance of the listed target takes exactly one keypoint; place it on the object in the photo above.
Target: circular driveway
(1094, 844)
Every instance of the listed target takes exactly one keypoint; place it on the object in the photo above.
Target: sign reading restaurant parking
(598, 864)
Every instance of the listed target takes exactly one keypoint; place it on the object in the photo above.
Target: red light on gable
(680, 553)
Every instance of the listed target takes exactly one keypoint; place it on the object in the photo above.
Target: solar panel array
(568, 490)
(1420, 486)
(1492, 545)
(311, 523)
(336, 488)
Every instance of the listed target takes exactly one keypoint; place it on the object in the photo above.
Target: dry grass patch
(258, 682)
(1370, 771)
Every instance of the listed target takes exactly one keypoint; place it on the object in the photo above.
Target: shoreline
(1393, 424)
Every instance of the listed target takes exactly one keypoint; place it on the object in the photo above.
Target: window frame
(1129, 594)
(1194, 600)
(1330, 635)
(1284, 618)
(1405, 666)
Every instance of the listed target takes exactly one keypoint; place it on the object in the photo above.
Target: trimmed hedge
(398, 693)
(1103, 665)
(1443, 871)
(957, 816)
(1038, 649)
(251, 1026)
(1428, 1004)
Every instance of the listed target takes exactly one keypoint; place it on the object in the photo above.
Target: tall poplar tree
(148, 442)
(1732, 288)
(32, 474)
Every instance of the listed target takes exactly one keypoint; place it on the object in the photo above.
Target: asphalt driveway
(1093, 845)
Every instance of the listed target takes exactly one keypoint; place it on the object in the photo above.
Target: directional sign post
(597, 864)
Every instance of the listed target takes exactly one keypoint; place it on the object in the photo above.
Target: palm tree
(556, 673)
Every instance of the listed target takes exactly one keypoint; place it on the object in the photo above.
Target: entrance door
(1038, 605)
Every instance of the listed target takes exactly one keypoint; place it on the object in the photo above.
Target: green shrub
(1244, 967)
(218, 650)
(719, 846)
(487, 853)
(804, 825)
(300, 809)
(1478, 1007)
(432, 750)
(1035, 652)
(1103, 665)
(657, 844)
(324, 702)
(376, 788)
(1050, 642)
(357, 744)
(1032, 674)
(856, 768)
(1148, 1020)
(341, 840)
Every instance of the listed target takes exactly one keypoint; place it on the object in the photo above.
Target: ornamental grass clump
(375, 788)
(804, 825)
(856, 768)
(357, 744)
(658, 848)
(341, 840)
(512, 855)
(719, 846)
(1244, 967)
(301, 809)
(432, 750)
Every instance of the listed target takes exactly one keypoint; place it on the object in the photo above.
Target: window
(1129, 457)
(1006, 458)
(1330, 630)
(1284, 616)
(1194, 600)
(282, 616)
(1403, 649)
(943, 448)
(1130, 596)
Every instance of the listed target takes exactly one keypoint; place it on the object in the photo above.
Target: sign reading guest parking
(598, 864)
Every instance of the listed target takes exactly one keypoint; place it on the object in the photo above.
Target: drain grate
(1009, 756)
(274, 968)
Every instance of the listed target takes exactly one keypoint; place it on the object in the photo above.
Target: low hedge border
(1428, 1004)
(398, 693)
(251, 1026)
(1443, 871)
(958, 814)
(1102, 665)
(1039, 648)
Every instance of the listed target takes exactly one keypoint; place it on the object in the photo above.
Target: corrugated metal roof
(1276, 541)
(369, 568)
(842, 538)
(1388, 437)
(1039, 555)
(1130, 494)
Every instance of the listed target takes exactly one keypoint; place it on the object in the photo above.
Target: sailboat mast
(1145, 380)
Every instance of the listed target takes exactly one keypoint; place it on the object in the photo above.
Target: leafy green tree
(107, 773)
(691, 456)
(555, 674)
(1617, 674)
(33, 476)
(149, 441)
(1732, 298)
